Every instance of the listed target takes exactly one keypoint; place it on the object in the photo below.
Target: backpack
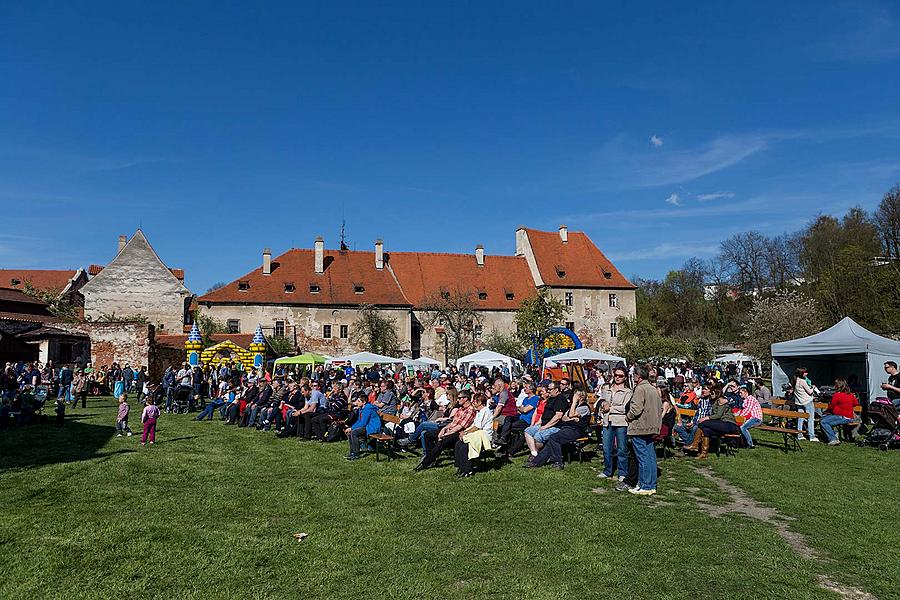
(335, 432)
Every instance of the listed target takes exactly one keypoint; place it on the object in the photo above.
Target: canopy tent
(365, 358)
(419, 363)
(582, 355)
(308, 358)
(738, 358)
(842, 350)
(489, 358)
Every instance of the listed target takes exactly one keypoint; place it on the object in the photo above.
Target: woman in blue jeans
(615, 428)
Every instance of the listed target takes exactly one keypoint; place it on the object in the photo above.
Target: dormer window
(314, 288)
(289, 287)
(358, 289)
(15, 281)
(510, 295)
(607, 274)
(243, 285)
(560, 272)
(482, 295)
(445, 295)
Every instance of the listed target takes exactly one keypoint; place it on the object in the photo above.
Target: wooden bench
(779, 424)
(846, 430)
(383, 438)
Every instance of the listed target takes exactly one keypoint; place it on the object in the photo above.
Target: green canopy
(303, 359)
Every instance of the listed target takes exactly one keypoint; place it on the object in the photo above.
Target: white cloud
(656, 140)
(668, 250)
(674, 199)
(714, 196)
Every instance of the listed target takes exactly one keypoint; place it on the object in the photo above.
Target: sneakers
(640, 492)
(143, 444)
(834, 443)
(604, 476)
(801, 438)
(118, 435)
(352, 456)
(558, 466)
(621, 478)
(812, 439)
(623, 487)
(129, 434)
(151, 443)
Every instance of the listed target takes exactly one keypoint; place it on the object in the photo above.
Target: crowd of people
(632, 409)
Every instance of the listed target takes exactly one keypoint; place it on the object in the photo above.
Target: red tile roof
(177, 341)
(42, 279)
(577, 263)
(424, 274)
(94, 269)
(16, 305)
(344, 272)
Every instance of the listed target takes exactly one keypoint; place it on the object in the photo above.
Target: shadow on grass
(39, 445)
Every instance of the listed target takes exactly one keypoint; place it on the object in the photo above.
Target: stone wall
(592, 314)
(501, 321)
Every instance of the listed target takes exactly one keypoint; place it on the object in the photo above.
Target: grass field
(210, 511)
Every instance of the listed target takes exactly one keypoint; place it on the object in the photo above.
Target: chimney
(123, 239)
(564, 234)
(520, 240)
(379, 254)
(320, 255)
(267, 261)
(479, 255)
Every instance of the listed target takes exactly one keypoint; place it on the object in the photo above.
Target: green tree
(786, 315)
(375, 332)
(537, 315)
(208, 325)
(504, 343)
(281, 345)
(57, 305)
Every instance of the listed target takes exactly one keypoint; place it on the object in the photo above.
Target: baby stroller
(181, 399)
(885, 432)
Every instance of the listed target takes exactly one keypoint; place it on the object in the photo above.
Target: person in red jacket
(840, 411)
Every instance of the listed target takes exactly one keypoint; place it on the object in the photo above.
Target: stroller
(885, 432)
(181, 399)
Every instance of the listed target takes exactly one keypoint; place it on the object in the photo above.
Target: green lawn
(210, 511)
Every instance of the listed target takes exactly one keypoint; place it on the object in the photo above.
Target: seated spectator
(762, 394)
(687, 433)
(537, 434)
(720, 422)
(335, 412)
(840, 411)
(445, 437)
(572, 426)
(367, 423)
(752, 413)
(475, 438)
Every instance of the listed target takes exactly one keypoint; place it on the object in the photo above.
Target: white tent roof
(735, 357)
(365, 358)
(582, 355)
(421, 361)
(845, 337)
(488, 358)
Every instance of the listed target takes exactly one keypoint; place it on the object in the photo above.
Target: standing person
(79, 388)
(804, 397)
(644, 417)
(128, 377)
(122, 417)
(892, 387)
(840, 411)
(115, 374)
(615, 426)
(168, 383)
(148, 418)
(141, 382)
(65, 377)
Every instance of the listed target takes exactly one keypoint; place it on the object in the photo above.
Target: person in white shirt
(474, 439)
(804, 396)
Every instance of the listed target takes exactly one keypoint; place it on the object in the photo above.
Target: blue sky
(658, 129)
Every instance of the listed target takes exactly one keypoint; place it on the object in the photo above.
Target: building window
(279, 328)
(314, 288)
(243, 286)
(570, 299)
(570, 325)
(560, 272)
(482, 295)
(445, 295)
(358, 289)
(510, 295)
(613, 330)
(289, 287)
(479, 329)
(326, 332)
(345, 332)
(613, 301)
(234, 325)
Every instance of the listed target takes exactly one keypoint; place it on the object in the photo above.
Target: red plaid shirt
(461, 420)
(752, 409)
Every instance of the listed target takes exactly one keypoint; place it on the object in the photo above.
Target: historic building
(314, 295)
(65, 283)
(137, 284)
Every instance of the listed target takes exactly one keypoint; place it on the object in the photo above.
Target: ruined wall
(308, 323)
(130, 342)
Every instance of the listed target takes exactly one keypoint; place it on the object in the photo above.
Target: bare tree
(456, 312)
(745, 256)
(887, 219)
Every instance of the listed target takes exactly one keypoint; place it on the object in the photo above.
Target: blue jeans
(686, 433)
(811, 421)
(208, 409)
(645, 452)
(540, 435)
(745, 430)
(618, 435)
(252, 420)
(418, 436)
(829, 422)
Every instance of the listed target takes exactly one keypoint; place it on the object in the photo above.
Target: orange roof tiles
(423, 274)
(41, 279)
(344, 272)
(577, 263)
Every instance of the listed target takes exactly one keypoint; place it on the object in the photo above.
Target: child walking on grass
(148, 418)
(122, 417)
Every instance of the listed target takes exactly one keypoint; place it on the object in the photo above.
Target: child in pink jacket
(148, 418)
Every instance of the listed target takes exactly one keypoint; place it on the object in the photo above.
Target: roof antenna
(344, 246)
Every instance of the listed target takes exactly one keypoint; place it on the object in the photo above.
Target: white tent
(845, 349)
(739, 358)
(489, 358)
(420, 363)
(365, 358)
(582, 355)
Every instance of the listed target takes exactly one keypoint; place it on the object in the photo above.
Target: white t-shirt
(484, 420)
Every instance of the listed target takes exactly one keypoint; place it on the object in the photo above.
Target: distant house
(65, 283)
(136, 283)
(29, 331)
